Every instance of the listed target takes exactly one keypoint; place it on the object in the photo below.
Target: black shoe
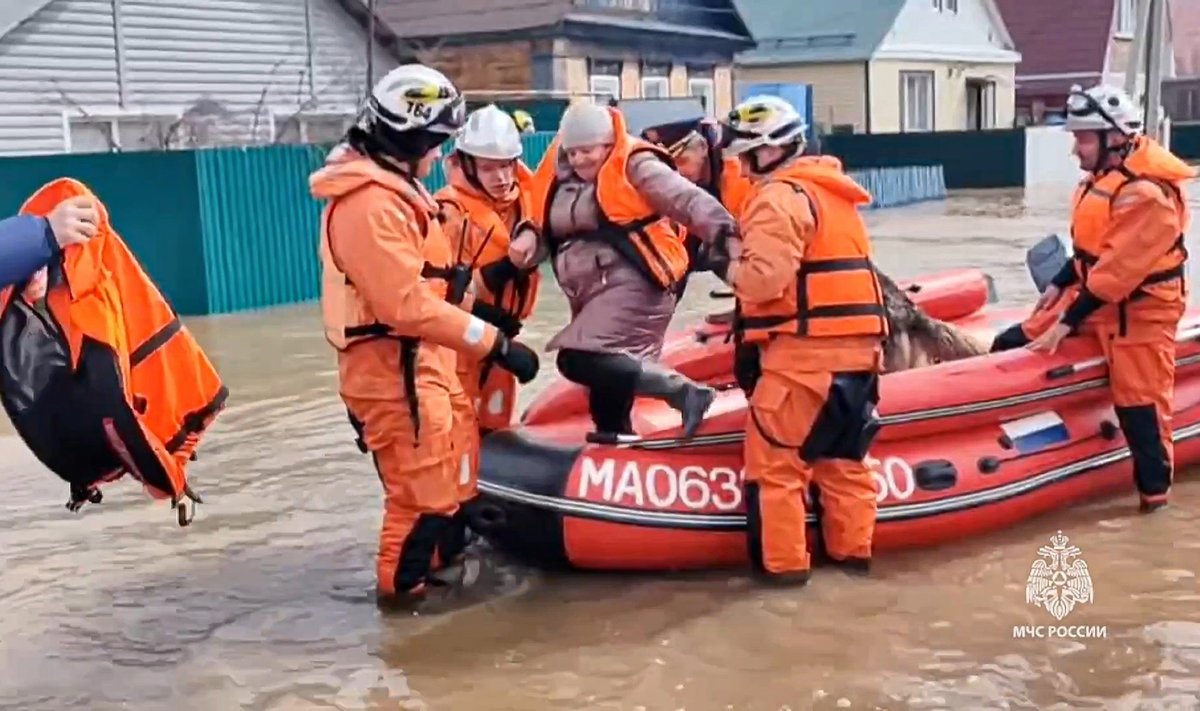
(790, 579)
(853, 566)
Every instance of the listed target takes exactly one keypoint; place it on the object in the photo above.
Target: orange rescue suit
(106, 380)
(650, 242)
(386, 266)
(479, 230)
(1125, 286)
(808, 295)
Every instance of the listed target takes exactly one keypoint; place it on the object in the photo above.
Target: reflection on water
(264, 603)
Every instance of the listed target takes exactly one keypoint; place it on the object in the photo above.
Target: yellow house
(885, 66)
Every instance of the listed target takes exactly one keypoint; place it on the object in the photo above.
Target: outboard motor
(1046, 258)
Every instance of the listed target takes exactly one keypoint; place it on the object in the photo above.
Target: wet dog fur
(915, 338)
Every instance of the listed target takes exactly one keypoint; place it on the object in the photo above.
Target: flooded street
(265, 602)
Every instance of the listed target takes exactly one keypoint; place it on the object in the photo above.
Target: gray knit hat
(585, 124)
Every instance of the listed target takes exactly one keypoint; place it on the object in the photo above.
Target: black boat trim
(903, 418)
(899, 512)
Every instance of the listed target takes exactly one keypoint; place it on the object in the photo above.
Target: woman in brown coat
(610, 204)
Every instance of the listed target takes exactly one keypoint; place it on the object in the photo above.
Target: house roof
(1185, 22)
(438, 18)
(795, 31)
(1059, 37)
(427, 19)
(14, 12)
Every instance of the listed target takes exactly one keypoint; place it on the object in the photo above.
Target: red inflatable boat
(966, 448)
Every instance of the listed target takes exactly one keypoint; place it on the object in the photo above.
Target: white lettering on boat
(716, 489)
(894, 478)
(660, 486)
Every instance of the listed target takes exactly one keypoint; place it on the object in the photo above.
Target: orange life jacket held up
(837, 292)
(1092, 219)
(650, 242)
(105, 380)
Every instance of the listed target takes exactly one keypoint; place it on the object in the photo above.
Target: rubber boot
(689, 399)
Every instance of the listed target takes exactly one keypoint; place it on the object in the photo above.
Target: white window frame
(944, 5)
(604, 84)
(906, 100)
(281, 116)
(113, 118)
(709, 92)
(1126, 18)
(663, 84)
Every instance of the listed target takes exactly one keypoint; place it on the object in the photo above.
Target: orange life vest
(733, 188)
(651, 242)
(106, 380)
(1092, 218)
(348, 318)
(520, 295)
(837, 292)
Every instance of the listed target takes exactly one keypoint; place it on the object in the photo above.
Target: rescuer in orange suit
(485, 203)
(388, 280)
(695, 146)
(809, 298)
(1124, 285)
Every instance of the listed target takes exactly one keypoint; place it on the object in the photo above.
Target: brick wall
(503, 66)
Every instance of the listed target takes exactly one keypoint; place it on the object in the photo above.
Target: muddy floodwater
(265, 603)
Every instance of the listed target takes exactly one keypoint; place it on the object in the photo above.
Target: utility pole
(370, 47)
(1154, 68)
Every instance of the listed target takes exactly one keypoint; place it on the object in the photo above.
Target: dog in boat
(917, 339)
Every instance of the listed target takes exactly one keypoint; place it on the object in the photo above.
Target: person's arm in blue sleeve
(26, 245)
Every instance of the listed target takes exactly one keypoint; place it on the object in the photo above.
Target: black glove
(515, 357)
(715, 259)
(747, 366)
(498, 274)
(498, 317)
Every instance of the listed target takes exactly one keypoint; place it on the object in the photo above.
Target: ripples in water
(265, 603)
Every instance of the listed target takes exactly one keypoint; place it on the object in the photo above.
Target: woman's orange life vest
(837, 292)
(1091, 220)
(105, 380)
(520, 295)
(649, 241)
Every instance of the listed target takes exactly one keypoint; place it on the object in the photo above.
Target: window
(916, 101)
(655, 84)
(605, 84)
(655, 88)
(703, 88)
(107, 133)
(1126, 17)
(946, 5)
(312, 128)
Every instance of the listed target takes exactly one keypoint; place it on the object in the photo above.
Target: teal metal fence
(892, 187)
(231, 229)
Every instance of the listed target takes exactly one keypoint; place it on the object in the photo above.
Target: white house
(884, 66)
(100, 75)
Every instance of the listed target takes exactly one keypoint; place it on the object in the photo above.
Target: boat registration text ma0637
(712, 488)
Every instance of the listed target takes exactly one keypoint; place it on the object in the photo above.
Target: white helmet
(490, 133)
(763, 121)
(1102, 108)
(413, 97)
